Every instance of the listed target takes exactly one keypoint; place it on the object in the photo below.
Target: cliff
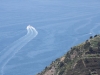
(83, 59)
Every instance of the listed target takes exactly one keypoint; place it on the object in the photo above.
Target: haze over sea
(60, 24)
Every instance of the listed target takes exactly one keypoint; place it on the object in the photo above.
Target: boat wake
(7, 54)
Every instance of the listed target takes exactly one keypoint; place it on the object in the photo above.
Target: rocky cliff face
(83, 59)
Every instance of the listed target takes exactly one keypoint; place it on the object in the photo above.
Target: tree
(91, 37)
(61, 64)
(86, 61)
(98, 43)
(95, 35)
(90, 49)
(89, 74)
(87, 44)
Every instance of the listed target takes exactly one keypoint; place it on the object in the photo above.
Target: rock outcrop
(83, 59)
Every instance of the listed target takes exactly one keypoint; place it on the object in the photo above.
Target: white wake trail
(9, 52)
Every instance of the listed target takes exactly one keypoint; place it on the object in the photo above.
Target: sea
(54, 27)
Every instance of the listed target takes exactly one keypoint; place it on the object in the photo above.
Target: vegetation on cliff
(83, 59)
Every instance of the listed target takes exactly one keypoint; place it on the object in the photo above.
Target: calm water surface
(60, 25)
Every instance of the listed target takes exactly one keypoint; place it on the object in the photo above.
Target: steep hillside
(83, 59)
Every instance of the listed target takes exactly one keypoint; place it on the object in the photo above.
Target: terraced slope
(83, 59)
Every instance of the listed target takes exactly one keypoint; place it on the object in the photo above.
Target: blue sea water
(61, 24)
